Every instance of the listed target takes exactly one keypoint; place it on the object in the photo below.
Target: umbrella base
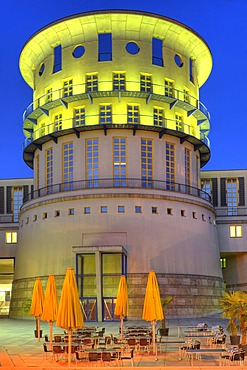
(36, 333)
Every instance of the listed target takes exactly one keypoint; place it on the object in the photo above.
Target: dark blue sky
(222, 23)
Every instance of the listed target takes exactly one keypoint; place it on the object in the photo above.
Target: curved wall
(151, 208)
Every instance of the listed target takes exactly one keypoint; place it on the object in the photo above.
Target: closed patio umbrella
(152, 309)
(69, 310)
(122, 307)
(50, 306)
(37, 304)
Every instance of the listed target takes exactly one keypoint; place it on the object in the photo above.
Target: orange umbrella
(152, 310)
(37, 304)
(69, 311)
(121, 307)
(50, 304)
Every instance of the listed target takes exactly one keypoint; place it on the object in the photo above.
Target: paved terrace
(20, 349)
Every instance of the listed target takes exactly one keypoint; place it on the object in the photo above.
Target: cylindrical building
(116, 135)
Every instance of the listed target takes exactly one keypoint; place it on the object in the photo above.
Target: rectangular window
(223, 263)
(158, 114)
(119, 161)
(169, 88)
(147, 162)
(138, 209)
(11, 237)
(87, 210)
(103, 209)
(79, 116)
(71, 211)
(68, 167)
(37, 171)
(232, 196)
(57, 65)
(58, 123)
(133, 115)
(170, 166)
(104, 47)
(44, 215)
(179, 122)
(187, 167)
(91, 82)
(206, 186)
(92, 162)
(169, 211)
(154, 210)
(49, 168)
(35, 217)
(57, 213)
(157, 57)
(121, 209)
(42, 128)
(17, 197)
(67, 88)
(146, 82)
(49, 95)
(105, 114)
(191, 64)
(119, 80)
(235, 231)
(186, 95)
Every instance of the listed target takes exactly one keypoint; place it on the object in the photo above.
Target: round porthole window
(78, 51)
(41, 69)
(132, 47)
(178, 60)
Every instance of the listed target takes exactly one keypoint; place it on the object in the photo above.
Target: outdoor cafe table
(170, 343)
(206, 351)
(200, 336)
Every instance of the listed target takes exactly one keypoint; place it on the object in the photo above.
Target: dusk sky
(222, 24)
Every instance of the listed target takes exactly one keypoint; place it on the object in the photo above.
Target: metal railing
(231, 211)
(82, 91)
(111, 183)
(8, 219)
(115, 119)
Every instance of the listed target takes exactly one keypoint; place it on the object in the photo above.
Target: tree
(234, 306)
(165, 302)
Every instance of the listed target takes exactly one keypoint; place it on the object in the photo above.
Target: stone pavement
(20, 349)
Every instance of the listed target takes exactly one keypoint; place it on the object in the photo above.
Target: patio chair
(132, 343)
(144, 344)
(108, 358)
(46, 351)
(127, 355)
(80, 356)
(94, 357)
(57, 351)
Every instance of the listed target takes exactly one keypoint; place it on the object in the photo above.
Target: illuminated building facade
(116, 134)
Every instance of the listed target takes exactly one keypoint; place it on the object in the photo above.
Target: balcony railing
(8, 219)
(116, 119)
(111, 183)
(231, 211)
(157, 92)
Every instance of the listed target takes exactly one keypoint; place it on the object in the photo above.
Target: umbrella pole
(69, 349)
(121, 327)
(50, 323)
(38, 322)
(154, 344)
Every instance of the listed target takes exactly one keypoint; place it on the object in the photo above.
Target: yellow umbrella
(69, 311)
(37, 304)
(50, 306)
(121, 307)
(152, 310)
